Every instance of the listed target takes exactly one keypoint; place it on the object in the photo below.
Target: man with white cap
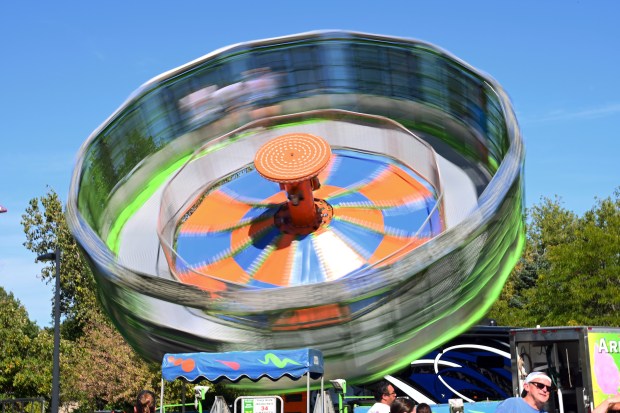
(536, 391)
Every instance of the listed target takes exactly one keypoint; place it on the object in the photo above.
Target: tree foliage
(104, 370)
(34, 379)
(581, 285)
(570, 271)
(46, 229)
(16, 335)
(98, 369)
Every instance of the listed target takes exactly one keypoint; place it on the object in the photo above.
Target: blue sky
(66, 66)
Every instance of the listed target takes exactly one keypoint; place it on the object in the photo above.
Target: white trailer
(583, 363)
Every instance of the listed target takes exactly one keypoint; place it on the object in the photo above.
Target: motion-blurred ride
(422, 196)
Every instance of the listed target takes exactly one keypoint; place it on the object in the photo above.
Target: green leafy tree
(35, 377)
(569, 272)
(17, 333)
(581, 284)
(548, 224)
(98, 369)
(104, 371)
(46, 228)
(508, 309)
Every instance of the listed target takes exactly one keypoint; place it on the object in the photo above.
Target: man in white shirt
(384, 396)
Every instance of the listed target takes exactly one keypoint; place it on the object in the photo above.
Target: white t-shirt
(379, 408)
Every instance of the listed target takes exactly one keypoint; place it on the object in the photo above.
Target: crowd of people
(537, 388)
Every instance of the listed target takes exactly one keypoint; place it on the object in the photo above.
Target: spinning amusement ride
(354, 193)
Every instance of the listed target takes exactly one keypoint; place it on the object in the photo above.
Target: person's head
(537, 388)
(145, 402)
(402, 406)
(384, 392)
(423, 408)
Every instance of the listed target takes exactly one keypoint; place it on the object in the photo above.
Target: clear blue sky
(66, 66)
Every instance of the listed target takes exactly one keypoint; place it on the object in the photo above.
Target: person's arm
(612, 403)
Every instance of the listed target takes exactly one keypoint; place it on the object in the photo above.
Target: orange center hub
(295, 161)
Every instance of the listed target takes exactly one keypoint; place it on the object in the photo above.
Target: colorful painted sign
(605, 364)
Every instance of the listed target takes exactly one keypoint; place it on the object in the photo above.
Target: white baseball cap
(537, 375)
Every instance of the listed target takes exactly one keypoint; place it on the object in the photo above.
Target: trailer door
(560, 353)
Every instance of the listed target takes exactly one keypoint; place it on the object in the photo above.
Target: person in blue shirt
(536, 389)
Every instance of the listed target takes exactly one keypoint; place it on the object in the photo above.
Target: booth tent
(236, 365)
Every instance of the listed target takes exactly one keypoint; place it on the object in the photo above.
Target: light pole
(340, 386)
(50, 256)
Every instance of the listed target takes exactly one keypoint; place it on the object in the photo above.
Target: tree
(17, 333)
(547, 224)
(104, 371)
(581, 285)
(569, 272)
(98, 368)
(35, 377)
(46, 228)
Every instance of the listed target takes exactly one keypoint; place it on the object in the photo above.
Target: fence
(30, 405)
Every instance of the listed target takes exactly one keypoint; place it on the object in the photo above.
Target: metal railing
(23, 405)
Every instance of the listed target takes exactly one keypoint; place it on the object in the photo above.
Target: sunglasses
(542, 386)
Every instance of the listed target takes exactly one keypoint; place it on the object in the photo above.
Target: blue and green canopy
(237, 365)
